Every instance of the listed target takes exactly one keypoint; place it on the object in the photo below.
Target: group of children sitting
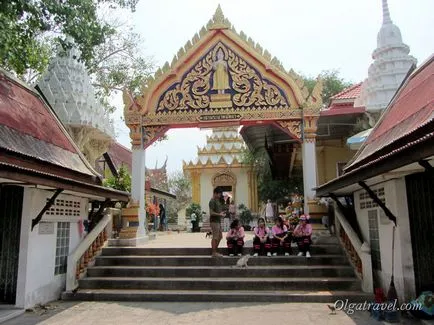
(271, 242)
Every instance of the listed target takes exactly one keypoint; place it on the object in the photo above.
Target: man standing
(215, 214)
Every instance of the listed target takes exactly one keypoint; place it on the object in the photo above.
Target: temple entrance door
(420, 191)
(11, 203)
(228, 195)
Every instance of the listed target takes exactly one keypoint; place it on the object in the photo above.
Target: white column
(309, 171)
(138, 189)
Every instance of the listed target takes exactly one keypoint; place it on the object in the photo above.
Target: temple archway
(222, 78)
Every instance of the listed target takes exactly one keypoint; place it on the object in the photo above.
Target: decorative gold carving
(151, 133)
(248, 113)
(218, 20)
(127, 98)
(293, 126)
(223, 178)
(310, 128)
(220, 76)
(193, 91)
(300, 83)
(314, 101)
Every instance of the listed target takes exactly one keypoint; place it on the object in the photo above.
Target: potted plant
(245, 216)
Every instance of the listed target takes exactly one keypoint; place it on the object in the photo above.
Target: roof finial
(386, 13)
(219, 21)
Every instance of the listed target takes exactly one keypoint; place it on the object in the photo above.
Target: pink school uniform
(235, 241)
(261, 247)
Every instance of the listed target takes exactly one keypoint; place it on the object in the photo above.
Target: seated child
(303, 233)
(235, 238)
(261, 241)
(281, 238)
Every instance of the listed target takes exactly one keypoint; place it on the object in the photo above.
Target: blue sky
(308, 36)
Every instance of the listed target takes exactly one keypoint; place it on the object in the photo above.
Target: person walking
(163, 219)
(215, 215)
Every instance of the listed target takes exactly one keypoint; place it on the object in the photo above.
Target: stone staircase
(190, 274)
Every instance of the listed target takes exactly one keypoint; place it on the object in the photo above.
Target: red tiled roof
(343, 102)
(351, 92)
(21, 110)
(412, 108)
(29, 128)
(120, 155)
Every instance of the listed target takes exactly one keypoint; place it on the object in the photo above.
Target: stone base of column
(316, 212)
(130, 235)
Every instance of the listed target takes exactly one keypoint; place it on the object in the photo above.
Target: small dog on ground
(208, 234)
(242, 262)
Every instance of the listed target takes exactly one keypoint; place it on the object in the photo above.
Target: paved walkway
(100, 313)
(188, 239)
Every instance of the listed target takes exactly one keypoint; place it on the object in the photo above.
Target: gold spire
(219, 21)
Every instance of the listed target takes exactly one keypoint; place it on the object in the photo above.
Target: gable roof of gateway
(34, 142)
(219, 21)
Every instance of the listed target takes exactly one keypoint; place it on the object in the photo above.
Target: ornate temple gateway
(219, 164)
(222, 78)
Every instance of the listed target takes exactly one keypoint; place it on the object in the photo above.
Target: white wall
(396, 201)
(206, 188)
(36, 280)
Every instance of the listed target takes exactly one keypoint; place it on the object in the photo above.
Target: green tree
(268, 188)
(118, 63)
(180, 185)
(332, 84)
(196, 209)
(25, 25)
(122, 182)
(245, 216)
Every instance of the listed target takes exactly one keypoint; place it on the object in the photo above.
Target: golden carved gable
(224, 178)
(235, 85)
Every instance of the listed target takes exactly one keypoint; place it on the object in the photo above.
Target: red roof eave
(343, 111)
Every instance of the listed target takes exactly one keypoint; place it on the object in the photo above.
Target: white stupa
(391, 64)
(67, 87)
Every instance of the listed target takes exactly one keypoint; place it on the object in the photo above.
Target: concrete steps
(281, 271)
(215, 295)
(221, 283)
(191, 274)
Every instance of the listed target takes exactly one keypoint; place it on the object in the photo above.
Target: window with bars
(374, 239)
(62, 247)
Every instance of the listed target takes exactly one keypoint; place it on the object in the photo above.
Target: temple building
(219, 165)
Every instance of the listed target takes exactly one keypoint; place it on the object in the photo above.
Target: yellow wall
(328, 154)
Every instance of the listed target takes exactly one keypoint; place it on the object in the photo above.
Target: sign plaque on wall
(46, 228)
(219, 117)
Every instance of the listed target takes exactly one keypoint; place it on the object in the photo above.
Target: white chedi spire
(68, 89)
(391, 64)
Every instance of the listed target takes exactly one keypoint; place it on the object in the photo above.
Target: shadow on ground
(124, 313)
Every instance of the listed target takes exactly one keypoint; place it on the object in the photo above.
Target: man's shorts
(216, 230)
